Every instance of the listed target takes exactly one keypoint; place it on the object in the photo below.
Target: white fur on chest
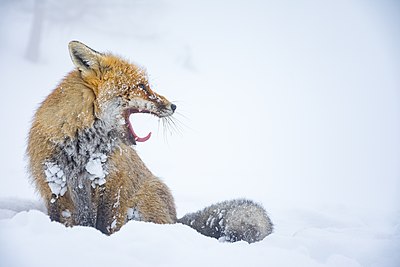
(84, 159)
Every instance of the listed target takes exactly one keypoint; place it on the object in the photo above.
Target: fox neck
(83, 141)
(99, 140)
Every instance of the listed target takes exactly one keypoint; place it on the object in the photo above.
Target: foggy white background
(295, 104)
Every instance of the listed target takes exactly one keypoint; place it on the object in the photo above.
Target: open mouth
(132, 136)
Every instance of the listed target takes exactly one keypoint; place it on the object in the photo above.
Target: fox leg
(111, 211)
(60, 209)
(153, 202)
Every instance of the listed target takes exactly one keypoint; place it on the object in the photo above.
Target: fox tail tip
(231, 221)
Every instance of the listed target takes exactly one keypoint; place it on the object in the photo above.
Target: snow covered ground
(294, 104)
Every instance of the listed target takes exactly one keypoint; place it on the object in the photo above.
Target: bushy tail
(231, 221)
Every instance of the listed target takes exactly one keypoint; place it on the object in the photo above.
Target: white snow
(133, 214)
(66, 213)
(148, 244)
(117, 202)
(56, 179)
(294, 104)
(114, 224)
(95, 167)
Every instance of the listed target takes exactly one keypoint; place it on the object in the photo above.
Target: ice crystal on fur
(114, 224)
(66, 213)
(55, 178)
(133, 214)
(95, 167)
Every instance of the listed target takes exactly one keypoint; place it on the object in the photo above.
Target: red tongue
(137, 138)
(141, 139)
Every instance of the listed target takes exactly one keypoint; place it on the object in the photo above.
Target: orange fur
(73, 107)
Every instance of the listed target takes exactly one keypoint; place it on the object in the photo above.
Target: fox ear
(83, 57)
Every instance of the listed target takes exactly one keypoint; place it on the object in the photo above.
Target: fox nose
(173, 107)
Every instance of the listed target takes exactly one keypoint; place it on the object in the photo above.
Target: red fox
(83, 162)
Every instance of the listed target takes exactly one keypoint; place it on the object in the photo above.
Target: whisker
(172, 125)
(182, 126)
(175, 125)
(158, 125)
(180, 114)
(164, 130)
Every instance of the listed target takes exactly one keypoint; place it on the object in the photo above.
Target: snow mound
(11, 206)
(295, 242)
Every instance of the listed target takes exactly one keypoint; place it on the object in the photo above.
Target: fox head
(120, 88)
